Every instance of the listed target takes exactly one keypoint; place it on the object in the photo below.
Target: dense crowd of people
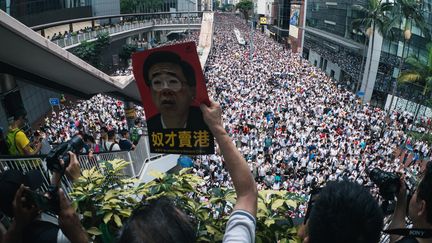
(92, 118)
(295, 128)
(347, 61)
(280, 123)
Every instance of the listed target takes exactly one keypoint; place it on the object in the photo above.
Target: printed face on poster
(172, 87)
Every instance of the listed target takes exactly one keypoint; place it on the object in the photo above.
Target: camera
(388, 183)
(47, 202)
(61, 153)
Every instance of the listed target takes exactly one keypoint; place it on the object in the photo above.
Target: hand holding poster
(171, 84)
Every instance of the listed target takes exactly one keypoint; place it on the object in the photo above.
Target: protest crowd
(295, 128)
(293, 125)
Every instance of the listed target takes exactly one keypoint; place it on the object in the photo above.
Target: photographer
(17, 141)
(30, 222)
(419, 209)
(342, 212)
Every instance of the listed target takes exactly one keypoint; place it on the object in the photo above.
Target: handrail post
(131, 163)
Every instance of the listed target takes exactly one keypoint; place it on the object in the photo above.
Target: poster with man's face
(171, 84)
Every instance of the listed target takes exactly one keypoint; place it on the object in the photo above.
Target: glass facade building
(330, 39)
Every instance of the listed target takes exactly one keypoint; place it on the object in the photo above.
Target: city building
(343, 52)
(284, 18)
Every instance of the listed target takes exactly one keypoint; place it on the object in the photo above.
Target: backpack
(110, 148)
(134, 135)
(12, 148)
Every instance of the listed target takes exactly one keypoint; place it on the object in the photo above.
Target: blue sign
(185, 161)
(54, 101)
(360, 93)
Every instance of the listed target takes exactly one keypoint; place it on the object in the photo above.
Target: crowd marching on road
(295, 128)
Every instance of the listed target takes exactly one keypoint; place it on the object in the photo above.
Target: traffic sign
(54, 101)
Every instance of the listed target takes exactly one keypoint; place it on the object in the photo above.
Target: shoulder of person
(240, 225)
(20, 133)
(154, 122)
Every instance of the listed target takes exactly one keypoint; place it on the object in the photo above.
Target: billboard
(294, 21)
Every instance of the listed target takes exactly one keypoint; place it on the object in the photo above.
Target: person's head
(124, 133)
(137, 122)
(344, 212)
(20, 117)
(111, 134)
(103, 131)
(88, 139)
(160, 221)
(420, 205)
(172, 82)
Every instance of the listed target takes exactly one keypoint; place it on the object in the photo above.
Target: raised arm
(238, 169)
(399, 215)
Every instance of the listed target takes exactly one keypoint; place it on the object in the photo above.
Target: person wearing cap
(172, 83)
(29, 223)
(17, 141)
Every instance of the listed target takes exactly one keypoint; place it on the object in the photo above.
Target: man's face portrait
(170, 91)
(172, 88)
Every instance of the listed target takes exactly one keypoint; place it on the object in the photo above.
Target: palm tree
(375, 18)
(420, 73)
(409, 13)
(245, 6)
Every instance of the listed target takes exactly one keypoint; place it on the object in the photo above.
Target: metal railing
(137, 158)
(74, 39)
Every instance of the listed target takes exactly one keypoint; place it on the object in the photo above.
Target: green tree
(90, 52)
(245, 6)
(216, 5)
(409, 13)
(150, 6)
(106, 198)
(126, 53)
(227, 7)
(375, 18)
(419, 73)
(128, 6)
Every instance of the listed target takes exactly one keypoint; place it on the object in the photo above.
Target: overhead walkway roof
(28, 55)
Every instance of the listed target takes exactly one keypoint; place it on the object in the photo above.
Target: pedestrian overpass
(36, 59)
(42, 62)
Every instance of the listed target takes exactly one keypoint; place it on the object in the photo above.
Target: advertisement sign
(294, 20)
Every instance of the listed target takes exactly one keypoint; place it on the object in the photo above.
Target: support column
(149, 39)
(373, 68)
(130, 113)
